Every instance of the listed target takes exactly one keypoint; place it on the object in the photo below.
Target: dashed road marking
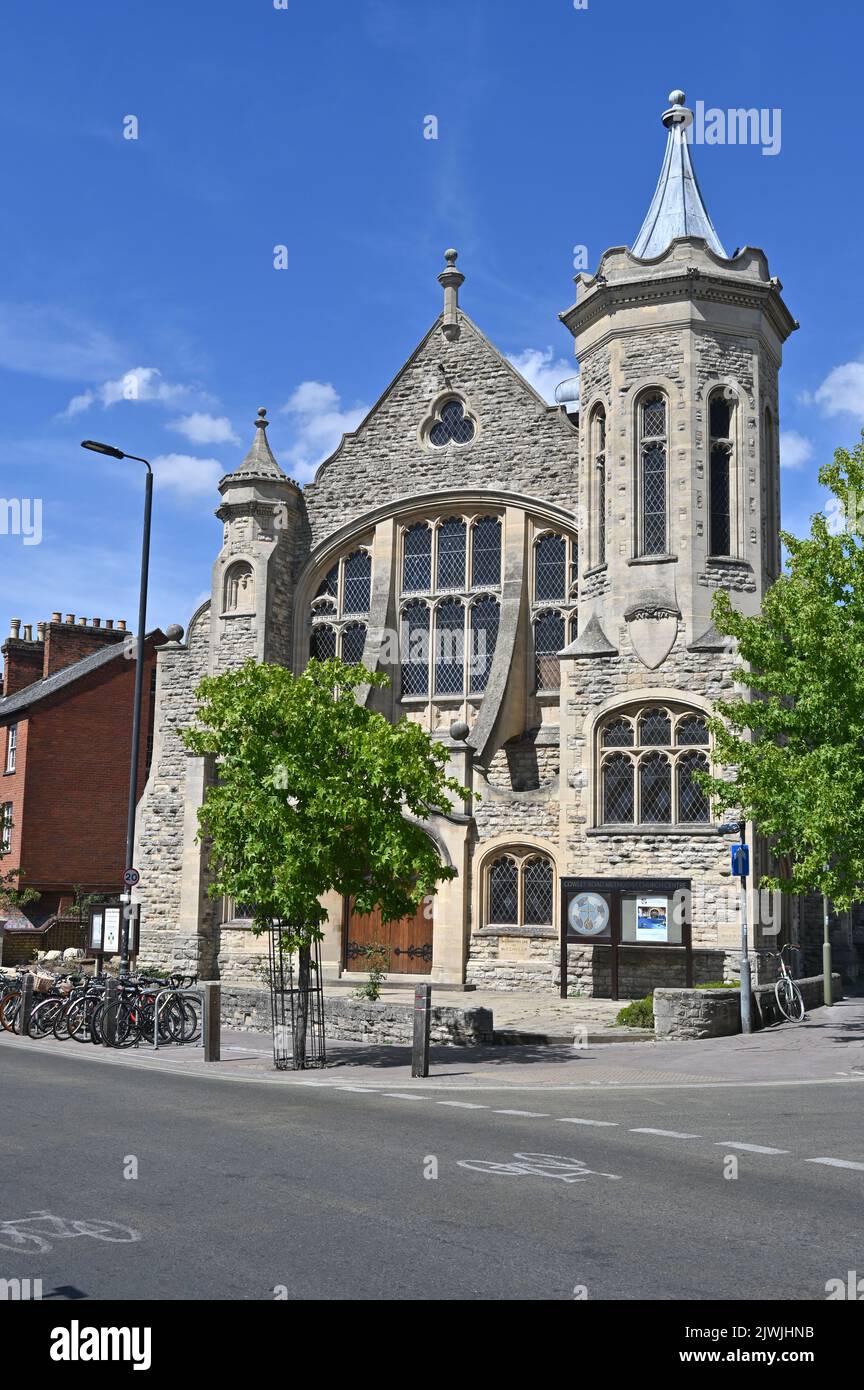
(837, 1163)
(748, 1148)
(462, 1104)
(572, 1120)
(528, 1114)
(402, 1095)
(666, 1133)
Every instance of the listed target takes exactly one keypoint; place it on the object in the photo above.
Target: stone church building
(550, 571)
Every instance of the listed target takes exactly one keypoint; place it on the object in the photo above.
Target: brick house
(570, 554)
(65, 747)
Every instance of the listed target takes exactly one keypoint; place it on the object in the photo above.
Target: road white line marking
(401, 1095)
(748, 1148)
(570, 1120)
(529, 1114)
(462, 1104)
(666, 1133)
(837, 1163)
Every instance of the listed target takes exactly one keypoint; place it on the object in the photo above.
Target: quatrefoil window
(452, 426)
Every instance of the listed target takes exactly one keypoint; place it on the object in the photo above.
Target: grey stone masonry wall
(360, 1020)
(716, 1013)
(520, 444)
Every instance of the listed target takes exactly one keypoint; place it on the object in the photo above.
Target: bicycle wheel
(81, 1020)
(191, 1022)
(43, 1017)
(789, 999)
(9, 1006)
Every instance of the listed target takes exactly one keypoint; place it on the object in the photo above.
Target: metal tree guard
(295, 1047)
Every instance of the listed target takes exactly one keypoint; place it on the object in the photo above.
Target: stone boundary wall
(716, 1013)
(360, 1020)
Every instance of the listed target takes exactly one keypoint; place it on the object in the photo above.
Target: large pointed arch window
(598, 438)
(720, 465)
(343, 596)
(653, 445)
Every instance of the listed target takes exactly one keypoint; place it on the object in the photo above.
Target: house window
(5, 827)
(520, 890)
(652, 474)
(11, 747)
(344, 595)
(599, 433)
(720, 464)
(648, 762)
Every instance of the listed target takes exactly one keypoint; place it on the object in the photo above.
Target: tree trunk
(301, 1023)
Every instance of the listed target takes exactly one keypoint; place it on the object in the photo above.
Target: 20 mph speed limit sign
(131, 877)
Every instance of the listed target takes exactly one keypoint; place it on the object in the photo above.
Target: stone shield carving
(653, 628)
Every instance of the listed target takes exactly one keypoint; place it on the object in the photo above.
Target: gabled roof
(677, 208)
(68, 675)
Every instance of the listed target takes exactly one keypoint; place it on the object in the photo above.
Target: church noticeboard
(625, 914)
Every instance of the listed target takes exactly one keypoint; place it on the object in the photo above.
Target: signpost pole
(746, 1000)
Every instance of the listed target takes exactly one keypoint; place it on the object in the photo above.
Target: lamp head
(98, 448)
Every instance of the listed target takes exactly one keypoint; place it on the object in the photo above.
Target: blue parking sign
(740, 860)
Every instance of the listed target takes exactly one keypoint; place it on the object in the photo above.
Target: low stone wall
(716, 1013)
(360, 1020)
(529, 959)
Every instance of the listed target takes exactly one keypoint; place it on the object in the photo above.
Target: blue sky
(303, 126)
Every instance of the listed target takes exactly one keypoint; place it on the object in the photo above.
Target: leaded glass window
(417, 569)
(720, 475)
(692, 729)
(655, 729)
(618, 734)
(454, 425)
(485, 615)
(353, 643)
(550, 568)
(655, 787)
(654, 418)
(323, 644)
(693, 804)
(600, 486)
(451, 554)
(330, 583)
(652, 456)
(450, 648)
(504, 892)
(537, 880)
(357, 582)
(415, 648)
(650, 779)
(486, 552)
(618, 799)
(548, 642)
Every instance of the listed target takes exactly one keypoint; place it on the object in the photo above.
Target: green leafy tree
(795, 749)
(310, 796)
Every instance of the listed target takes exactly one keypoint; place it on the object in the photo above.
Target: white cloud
(201, 428)
(45, 341)
(795, 449)
(319, 422)
(186, 476)
(542, 369)
(138, 384)
(842, 391)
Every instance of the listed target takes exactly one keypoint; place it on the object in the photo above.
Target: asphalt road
(243, 1189)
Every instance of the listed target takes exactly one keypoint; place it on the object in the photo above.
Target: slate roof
(677, 208)
(49, 685)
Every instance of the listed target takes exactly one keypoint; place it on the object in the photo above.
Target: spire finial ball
(451, 256)
(677, 98)
(262, 420)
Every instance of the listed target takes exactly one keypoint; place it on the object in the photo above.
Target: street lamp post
(139, 675)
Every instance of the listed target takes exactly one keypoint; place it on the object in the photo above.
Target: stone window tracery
(647, 761)
(343, 596)
(520, 890)
(451, 425)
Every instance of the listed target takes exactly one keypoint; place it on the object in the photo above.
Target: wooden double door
(409, 941)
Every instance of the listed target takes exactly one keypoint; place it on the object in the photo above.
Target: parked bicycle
(790, 1000)
(80, 1009)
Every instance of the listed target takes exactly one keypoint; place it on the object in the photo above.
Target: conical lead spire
(677, 208)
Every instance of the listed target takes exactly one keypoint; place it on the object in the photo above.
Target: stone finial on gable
(450, 279)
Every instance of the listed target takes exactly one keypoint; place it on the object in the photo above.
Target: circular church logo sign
(588, 914)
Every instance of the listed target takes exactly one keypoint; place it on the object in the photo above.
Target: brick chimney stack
(71, 641)
(22, 659)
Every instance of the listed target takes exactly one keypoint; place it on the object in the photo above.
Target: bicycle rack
(193, 993)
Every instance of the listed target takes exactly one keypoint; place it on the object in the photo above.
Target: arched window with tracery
(649, 759)
(720, 465)
(520, 890)
(344, 594)
(548, 642)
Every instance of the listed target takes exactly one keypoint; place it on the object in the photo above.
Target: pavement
(728, 1170)
(827, 1047)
